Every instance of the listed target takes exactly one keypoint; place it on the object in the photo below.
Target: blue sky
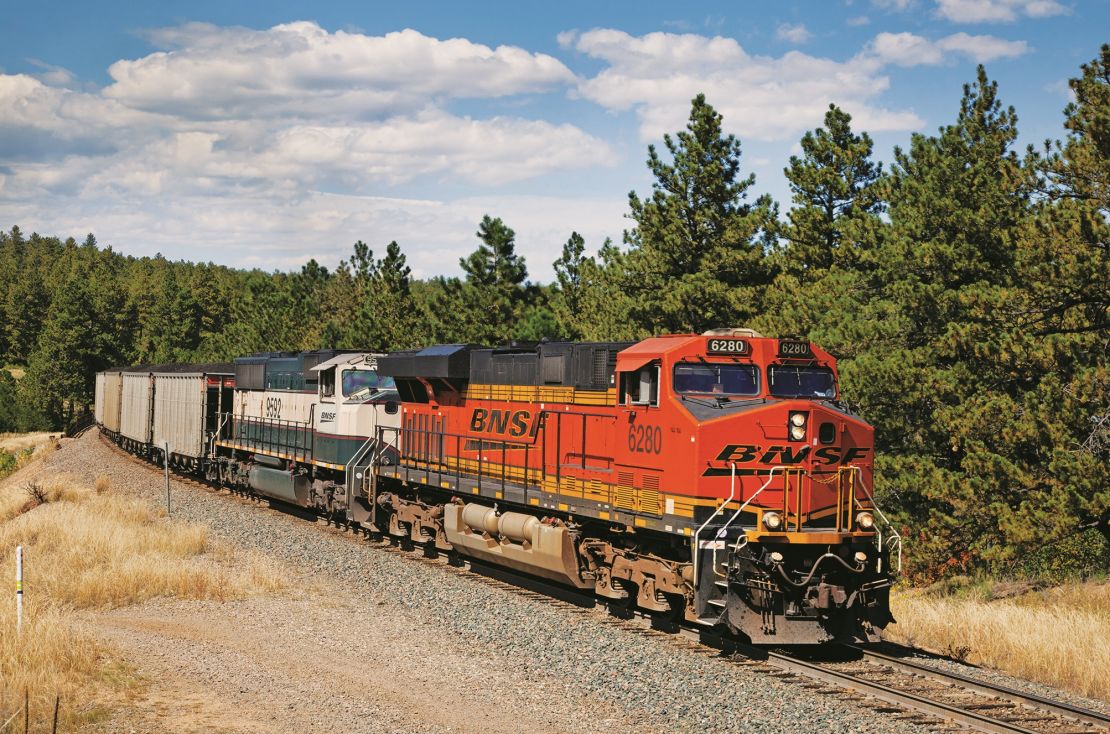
(264, 134)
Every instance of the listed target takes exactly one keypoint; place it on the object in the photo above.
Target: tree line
(965, 290)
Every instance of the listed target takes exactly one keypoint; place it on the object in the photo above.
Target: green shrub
(1081, 556)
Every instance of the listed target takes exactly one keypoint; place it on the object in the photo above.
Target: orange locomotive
(715, 479)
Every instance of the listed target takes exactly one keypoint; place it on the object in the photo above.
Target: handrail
(697, 534)
(896, 538)
(352, 463)
(770, 476)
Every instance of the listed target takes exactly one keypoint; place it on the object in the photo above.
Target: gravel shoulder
(381, 643)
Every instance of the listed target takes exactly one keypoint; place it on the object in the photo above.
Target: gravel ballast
(593, 676)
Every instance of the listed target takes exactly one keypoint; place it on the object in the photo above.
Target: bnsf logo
(515, 423)
(739, 453)
(327, 417)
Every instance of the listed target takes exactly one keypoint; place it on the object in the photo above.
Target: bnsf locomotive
(713, 480)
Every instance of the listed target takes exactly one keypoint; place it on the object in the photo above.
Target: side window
(327, 383)
(640, 387)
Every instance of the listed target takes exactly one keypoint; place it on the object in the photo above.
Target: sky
(265, 134)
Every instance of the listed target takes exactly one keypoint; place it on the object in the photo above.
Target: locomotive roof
(209, 368)
(345, 358)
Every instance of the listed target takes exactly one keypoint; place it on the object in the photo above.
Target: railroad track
(903, 688)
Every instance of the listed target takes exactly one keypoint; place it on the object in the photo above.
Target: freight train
(713, 480)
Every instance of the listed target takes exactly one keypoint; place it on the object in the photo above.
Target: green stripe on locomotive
(297, 441)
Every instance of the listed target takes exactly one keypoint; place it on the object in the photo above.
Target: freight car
(713, 480)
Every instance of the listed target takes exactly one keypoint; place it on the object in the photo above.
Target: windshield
(356, 381)
(802, 382)
(716, 379)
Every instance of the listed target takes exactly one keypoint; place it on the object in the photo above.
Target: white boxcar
(113, 392)
(180, 406)
(135, 417)
(98, 399)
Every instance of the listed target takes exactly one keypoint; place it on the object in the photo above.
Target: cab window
(327, 383)
(356, 381)
(703, 378)
(641, 387)
(802, 382)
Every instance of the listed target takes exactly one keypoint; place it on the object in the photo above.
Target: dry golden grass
(1057, 636)
(85, 548)
(15, 442)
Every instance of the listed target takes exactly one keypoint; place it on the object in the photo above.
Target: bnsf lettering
(326, 417)
(515, 423)
(746, 453)
(787, 456)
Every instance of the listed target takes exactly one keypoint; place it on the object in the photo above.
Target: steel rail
(1076, 713)
(896, 697)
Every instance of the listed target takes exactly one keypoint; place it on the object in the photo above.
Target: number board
(794, 348)
(726, 346)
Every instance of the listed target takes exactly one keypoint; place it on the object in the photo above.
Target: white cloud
(895, 5)
(793, 33)
(983, 48)
(905, 49)
(57, 76)
(908, 49)
(261, 230)
(997, 11)
(231, 136)
(301, 70)
(858, 20)
(769, 98)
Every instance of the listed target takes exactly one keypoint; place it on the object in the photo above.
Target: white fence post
(19, 588)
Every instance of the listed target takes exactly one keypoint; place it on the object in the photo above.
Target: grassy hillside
(1056, 635)
(89, 548)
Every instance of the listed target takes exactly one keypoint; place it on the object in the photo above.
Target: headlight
(772, 521)
(798, 419)
(865, 520)
(797, 432)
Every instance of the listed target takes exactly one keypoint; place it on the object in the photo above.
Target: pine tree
(829, 240)
(493, 296)
(933, 378)
(567, 300)
(698, 251)
(835, 197)
(61, 370)
(389, 311)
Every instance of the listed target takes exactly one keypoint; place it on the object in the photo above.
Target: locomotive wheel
(670, 620)
(626, 607)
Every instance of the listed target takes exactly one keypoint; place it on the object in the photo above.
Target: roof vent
(750, 333)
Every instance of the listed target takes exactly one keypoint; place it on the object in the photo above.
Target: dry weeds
(15, 442)
(85, 549)
(1056, 636)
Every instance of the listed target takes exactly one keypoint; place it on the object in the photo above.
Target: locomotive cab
(785, 546)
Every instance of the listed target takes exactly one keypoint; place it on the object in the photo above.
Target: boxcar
(98, 399)
(187, 406)
(135, 414)
(109, 415)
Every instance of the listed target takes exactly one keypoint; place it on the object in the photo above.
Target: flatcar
(714, 480)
